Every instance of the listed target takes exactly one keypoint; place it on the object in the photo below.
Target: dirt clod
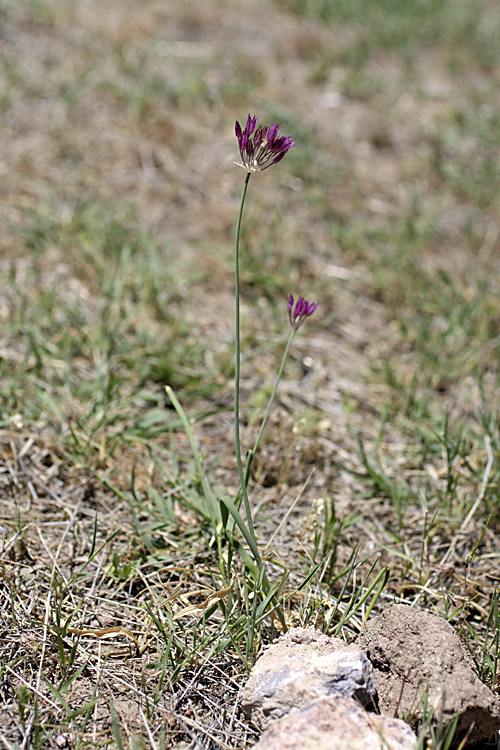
(414, 652)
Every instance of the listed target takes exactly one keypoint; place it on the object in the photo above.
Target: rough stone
(413, 652)
(303, 665)
(336, 723)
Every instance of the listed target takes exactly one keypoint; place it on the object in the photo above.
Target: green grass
(408, 27)
(102, 323)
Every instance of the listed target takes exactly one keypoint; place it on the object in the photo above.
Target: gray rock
(303, 665)
(336, 723)
(412, 652)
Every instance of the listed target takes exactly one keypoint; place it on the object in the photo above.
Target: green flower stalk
(260, 148)
(303, 309)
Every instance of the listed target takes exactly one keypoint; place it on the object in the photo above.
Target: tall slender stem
(268, 410)
(237, 357)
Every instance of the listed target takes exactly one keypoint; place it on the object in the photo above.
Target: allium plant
(260, 148)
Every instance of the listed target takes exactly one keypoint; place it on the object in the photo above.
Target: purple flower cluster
(262, 147)
(302, 310)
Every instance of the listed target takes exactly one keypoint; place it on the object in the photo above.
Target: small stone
(336, 723)
(413, 652)
(300, 667)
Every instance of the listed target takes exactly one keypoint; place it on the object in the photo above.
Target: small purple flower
(262, 147)
(303, 309)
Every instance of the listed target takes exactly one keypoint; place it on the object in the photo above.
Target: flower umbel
(302, 310)
(262, 147)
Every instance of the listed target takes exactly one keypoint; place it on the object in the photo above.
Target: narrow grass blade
(207, 490)
(228, 507)
(250, 540)
(115, 725)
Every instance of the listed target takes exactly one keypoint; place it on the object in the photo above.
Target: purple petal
(299, 307)
(277, 159)
(273, 132)
(251, 123)
(259, 135)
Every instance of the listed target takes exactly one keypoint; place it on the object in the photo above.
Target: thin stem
(252, 453)
(237, 357)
